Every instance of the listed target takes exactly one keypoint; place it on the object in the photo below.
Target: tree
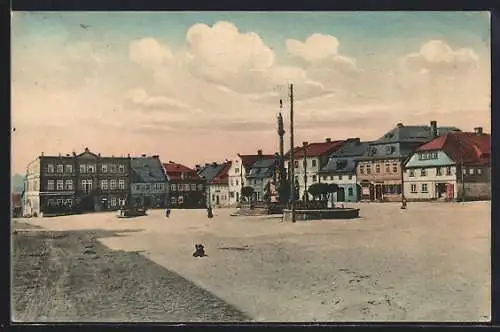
(267, 192)
(247, 192)
(317, 190)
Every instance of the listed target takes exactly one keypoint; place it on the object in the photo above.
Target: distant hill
(17, 183)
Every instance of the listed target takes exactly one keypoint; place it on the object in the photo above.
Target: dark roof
(249, 159)
(175, 171)
(261, 169)
(148, 169)
(469, 148)
(352, 147)
(340, 165)
(316, 149)
(210, 171)
(402, 133)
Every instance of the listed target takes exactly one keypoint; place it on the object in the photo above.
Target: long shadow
(71, 276)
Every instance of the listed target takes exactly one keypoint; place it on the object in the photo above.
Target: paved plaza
(430, 262)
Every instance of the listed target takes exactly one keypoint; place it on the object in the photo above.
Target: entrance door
(378, 192)
(237, 196)
(217, 201)
(341, 194)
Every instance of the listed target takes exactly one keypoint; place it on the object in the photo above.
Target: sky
(196, 87)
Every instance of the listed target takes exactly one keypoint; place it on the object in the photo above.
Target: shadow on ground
(70, 276)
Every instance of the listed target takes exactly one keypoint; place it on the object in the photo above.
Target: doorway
(378, 192)
(341, 194)
(440, 190)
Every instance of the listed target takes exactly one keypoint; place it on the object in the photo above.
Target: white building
(217, 180)
(260, 174)
(309, 161)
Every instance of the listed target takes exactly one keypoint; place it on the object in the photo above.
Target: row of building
(423, 162)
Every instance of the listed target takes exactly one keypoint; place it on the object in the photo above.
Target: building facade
(261, 175)
(455, 166)
(149, 186)
(76, 184)
(309, 161)
(341, 170)
(187, 188)
(237, 174)
(379, 171)
(216, 194)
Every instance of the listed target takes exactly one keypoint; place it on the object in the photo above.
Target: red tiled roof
(175, 171)
(249, 159)
(316, 149)
(223, 176)
(462, 147)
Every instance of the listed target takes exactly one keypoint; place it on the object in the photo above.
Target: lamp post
(304, 145)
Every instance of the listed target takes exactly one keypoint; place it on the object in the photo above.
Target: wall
(312, 172)
(477, 191)
(235, 181)
(220, 191)
(31, 199)
(392, 173)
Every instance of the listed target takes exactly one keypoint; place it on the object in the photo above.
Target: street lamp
(292, 163)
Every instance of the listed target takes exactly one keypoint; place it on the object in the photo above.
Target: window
(59, 201)
(69, 168)
(377, 168)
(423, 172)
(331, 178)
(324, 178)
(237, 182)
(314, 163)
(112, 184)
(340, 177)
(314, 178)
(200, 186)
(121, 184)
(296, 164)
(50, 185)
(173, 187)
(104, 168)
(86, 185)
(438, 171)
(83, 168)
(193, 186)
(236, 171)
(180, 187)
(121, 168)
(112, 168)
(113, 201)
(349, 176)
(413, 188)
(412, 173)
(361, 170)
(50, 168)
(180, 199)
(387, 168)
(69, 202)
(394, 167)
(448, 170)
(254, 182)
(104, 184)
(50, 202)
(424, 187)
(138, 187)
(350, 192)
(69, 184)
(173, 200)
(479, 171)
(464, 170)
(368, 169)
(231, 194)
(91, 168)
(60, 168)
(471, 171)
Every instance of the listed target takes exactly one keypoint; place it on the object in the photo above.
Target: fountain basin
(336, 213)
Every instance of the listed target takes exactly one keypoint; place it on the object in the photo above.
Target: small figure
(403, 203)
(167, 213)
(210, 213)
(199, 250)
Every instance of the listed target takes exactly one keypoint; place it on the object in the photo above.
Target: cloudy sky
(196, 87)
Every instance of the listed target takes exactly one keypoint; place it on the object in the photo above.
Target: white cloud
(148, 52)
(140, 98)
(438, 56)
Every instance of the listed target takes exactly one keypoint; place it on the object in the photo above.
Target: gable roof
(223, 176)
(87, 154)
(340, 165)
(148, 169)
(210, 171)
(249, 159)
(469, 148)
(316, 149)
(352, 147)
(419, 133)
(175, 171)
(262, 168)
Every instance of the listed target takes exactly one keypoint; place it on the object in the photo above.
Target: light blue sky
(358, 32)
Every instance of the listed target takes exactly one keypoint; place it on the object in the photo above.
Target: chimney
(399, 125)
(99, 154)
(42, 154)
(170, 161)
(143, 155)
(305, 143)
(197, 167)
(206, 164)
(86, 149)
(214, 164)
(73, 153)
(434, 129)
(259, 152)
(478, 131)
(156, 156)
(328, 140)
(67, 154)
